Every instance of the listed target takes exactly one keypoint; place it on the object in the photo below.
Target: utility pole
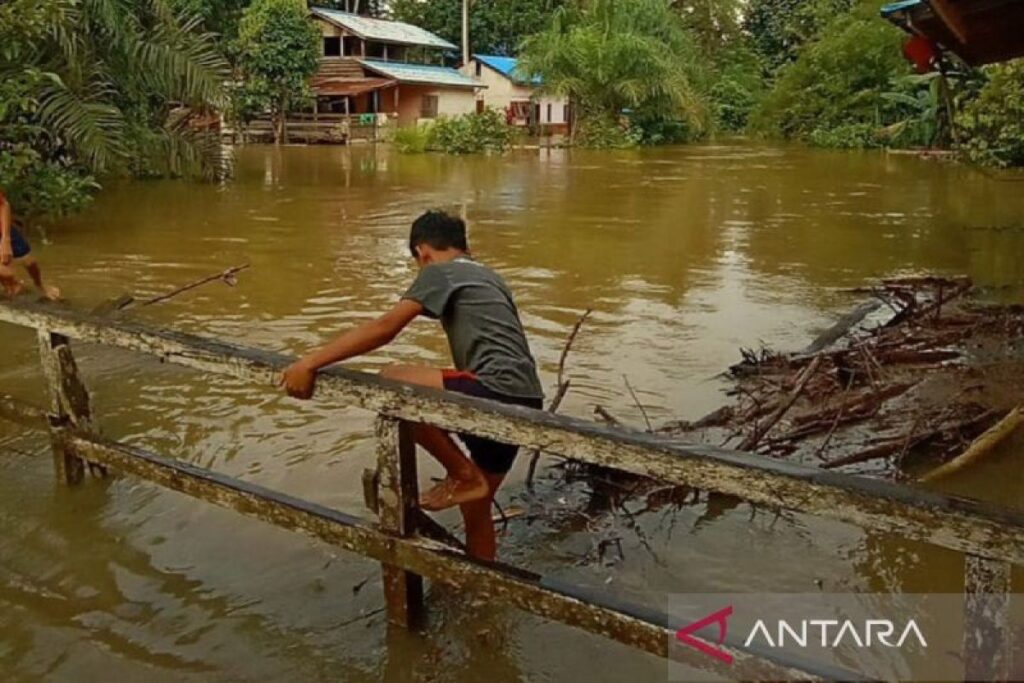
(465, 32)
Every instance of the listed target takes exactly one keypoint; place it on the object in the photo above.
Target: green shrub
(601, 132)
(413, 139)
(834, 90)
(846, 136)
(487, 131)
(993, 123)
(484, 132)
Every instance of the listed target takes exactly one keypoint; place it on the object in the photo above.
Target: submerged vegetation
(483, 132)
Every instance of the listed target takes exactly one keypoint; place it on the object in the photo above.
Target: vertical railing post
(69, 403)
(396, 505)
(987, 637)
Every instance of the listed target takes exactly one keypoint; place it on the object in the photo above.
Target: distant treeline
(91, 88)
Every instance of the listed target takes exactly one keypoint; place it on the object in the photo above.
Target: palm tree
(115, 85)
(608, 56)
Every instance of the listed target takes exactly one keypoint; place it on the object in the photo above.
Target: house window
(428, 107)
(549, 112)
(332, 46)
(565, 113)
(479, 70)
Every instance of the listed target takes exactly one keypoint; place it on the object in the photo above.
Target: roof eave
(414, 81)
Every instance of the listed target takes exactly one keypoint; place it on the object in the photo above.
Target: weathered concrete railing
(405, 540)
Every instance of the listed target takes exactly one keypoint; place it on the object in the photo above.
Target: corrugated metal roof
(420, 73)
(506, 66)
(381, 29)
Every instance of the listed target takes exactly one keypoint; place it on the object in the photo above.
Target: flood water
(685, 255)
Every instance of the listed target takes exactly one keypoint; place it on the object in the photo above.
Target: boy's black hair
(440, 230)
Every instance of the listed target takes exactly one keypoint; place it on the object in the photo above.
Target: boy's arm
(6, 252)
(299, 378)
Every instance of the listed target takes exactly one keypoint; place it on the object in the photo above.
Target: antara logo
(720, 617)
(826, 633)
(832, 633)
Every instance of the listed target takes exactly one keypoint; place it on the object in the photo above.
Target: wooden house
(381, 69)
(517, 95)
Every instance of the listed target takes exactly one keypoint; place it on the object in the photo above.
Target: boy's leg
(465, 482)
(481, 541)
(9, 282)
(31, 266)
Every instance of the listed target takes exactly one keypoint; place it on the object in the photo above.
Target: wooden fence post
(396, 507)
(69, 404)
(987, 637)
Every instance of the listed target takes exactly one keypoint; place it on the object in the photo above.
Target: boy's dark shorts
(491, 456)
(19, 245)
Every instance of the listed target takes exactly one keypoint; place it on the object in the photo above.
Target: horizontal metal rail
(960, 524)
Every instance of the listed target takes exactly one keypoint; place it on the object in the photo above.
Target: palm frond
(89, 125)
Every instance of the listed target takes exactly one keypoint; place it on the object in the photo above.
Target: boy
(14, 246)
(492, 360)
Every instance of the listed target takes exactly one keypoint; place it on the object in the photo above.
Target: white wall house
(505, 89)
(387, 68)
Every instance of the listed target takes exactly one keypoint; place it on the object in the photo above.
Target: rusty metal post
(396, 506)
(69, 403)
(987, 637)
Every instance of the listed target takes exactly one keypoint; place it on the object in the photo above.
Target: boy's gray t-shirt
(482, 323)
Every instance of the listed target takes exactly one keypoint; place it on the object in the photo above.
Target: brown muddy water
(685, 254)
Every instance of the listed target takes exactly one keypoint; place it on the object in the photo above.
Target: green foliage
(779, 28)
(609, 56)
(993, 123)
(219, 16)
(484, 132)
(837, 82)
(737, 88)
(846, 136)
(413, 139)
(495, 26)
(714, 23)
(604, 133)
(278, 51)
(919, 106)
(83, 83)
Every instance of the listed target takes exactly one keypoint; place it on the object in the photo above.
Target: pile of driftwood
(916, 376)
(918, 381)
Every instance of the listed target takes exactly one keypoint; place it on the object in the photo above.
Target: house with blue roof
(390, 71)
(518, 95)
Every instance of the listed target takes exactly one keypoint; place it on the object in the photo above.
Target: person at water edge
(491, 355)
(15, 248)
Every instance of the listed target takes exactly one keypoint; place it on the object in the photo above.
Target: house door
(479, 106)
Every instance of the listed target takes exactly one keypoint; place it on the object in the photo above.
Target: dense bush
(96, 88)
(993, 123)
(833, 92)
(412, 139)
(487, 131)
(484, 132)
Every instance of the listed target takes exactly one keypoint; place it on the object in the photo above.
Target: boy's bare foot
(452, 492)
(51, 293)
